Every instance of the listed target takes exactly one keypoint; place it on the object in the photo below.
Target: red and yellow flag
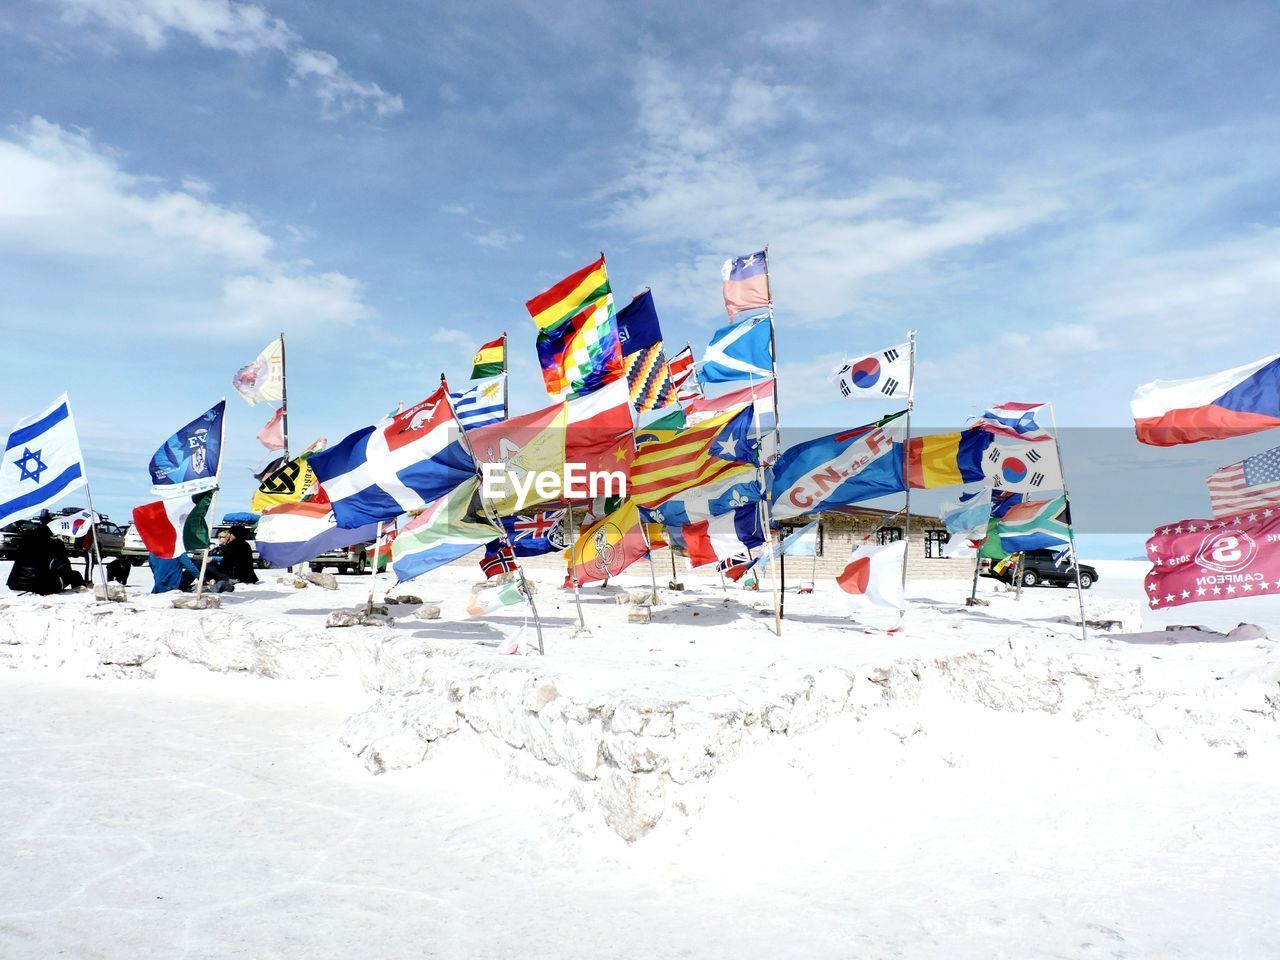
(568, 297)
(609, 546)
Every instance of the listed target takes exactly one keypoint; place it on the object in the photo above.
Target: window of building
(888, 535)
(934, 541)
(821, 542)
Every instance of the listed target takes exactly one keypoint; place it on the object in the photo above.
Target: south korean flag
(1023, 466)
(881, 376)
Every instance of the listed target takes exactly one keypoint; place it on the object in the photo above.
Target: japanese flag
(873, 577)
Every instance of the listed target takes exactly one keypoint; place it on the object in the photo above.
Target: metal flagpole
(492, 515)
(284, 397)
(213, 504)
(1071, 527)
(506, 381)
(813, 571)
(93, 514)
(573, 566)
(777, 447)
(373, 573)
(653, 577)
(977, 565)
(911, 402)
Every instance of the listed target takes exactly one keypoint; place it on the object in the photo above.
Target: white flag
(873, 577)
(1022, 466)
(879, 376)
(42, 462)
(263, 379)
(73, 526)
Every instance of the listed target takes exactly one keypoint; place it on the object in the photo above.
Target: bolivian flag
(490, 360)
(946, 459)
(568, 297)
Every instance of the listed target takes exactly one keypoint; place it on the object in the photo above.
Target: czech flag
(1229, 404)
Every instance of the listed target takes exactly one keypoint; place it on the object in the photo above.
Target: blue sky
(1064, 200)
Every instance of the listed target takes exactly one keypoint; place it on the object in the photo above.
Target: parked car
(10, 534)
(110, 539)
(1038, 567)
(352, 559)
(133, 550)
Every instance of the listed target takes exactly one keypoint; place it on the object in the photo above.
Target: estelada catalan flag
(490, 360)
(946, 459)
(672, 461)
(571, 295)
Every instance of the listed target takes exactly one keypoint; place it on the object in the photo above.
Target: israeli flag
(42, 462)
(739, 351)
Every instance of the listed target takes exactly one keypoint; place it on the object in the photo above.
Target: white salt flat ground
(203, 815)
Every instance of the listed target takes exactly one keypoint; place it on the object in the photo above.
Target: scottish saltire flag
(42, 462)
(1013, 419)
(398, 465)
(482, 403)
(746, 282)
(880, 376)
(734, 489)
(837, 470)
(1022, 466)
(743, 350)
(187, 463)
(1035, 525)
(447, 529)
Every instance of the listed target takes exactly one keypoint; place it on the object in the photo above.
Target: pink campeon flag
(1224, 559)
(746, 283)
(272, 435)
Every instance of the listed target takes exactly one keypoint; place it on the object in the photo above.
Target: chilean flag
(1229, 404)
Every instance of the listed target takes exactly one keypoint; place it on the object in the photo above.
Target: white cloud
(699, 182)
(259, 303)
(1220, 292)
(241, 28)
(62, 194)
(496, 238)
(68, 200)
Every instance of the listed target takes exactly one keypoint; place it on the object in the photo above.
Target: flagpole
(777, 447)
(1071, 527)
(93, 514)
(506, 382)
(573, 566)
(911, 402)
(284, 397)
(653, 576)
(213, 505)
(492, 515)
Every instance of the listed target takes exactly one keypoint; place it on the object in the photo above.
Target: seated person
(232, 559)
(176, 574)
(41, 566)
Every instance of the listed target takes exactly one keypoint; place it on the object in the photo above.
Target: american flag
(1253, 482)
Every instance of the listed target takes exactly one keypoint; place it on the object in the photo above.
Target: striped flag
(490, 360)
(571, 296)
(684, 376)
(1251, 484)
(447, 529)
(482, 403)
(677, 460)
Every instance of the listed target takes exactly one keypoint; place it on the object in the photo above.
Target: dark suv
(1038, 567)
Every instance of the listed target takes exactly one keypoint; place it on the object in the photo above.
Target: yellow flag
(285, 484)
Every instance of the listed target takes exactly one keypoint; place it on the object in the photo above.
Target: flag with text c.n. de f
(837, 470)
(610, 545)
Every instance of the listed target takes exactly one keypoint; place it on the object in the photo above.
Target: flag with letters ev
(42, 462)
(880, 376)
